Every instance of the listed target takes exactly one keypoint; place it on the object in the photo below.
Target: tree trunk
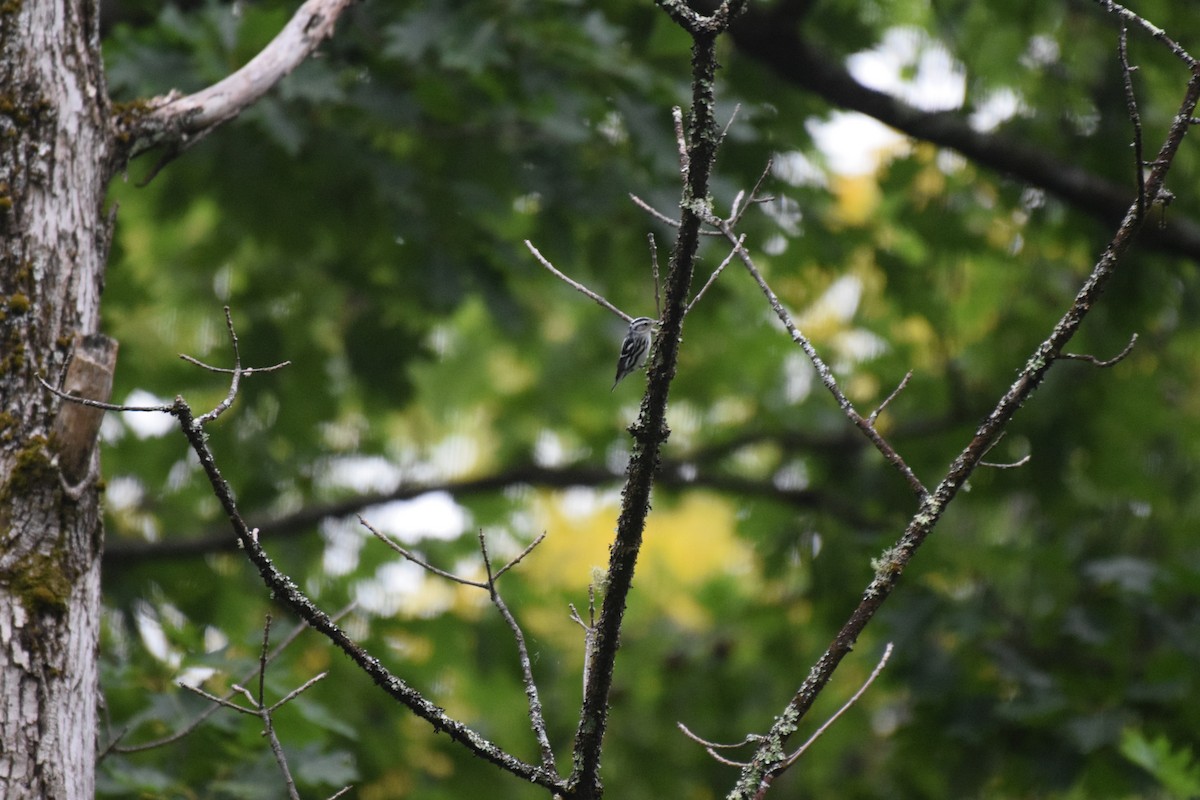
(55, 159)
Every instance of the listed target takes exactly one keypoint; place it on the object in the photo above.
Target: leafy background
(365, 222)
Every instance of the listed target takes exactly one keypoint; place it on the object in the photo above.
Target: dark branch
(774, 37)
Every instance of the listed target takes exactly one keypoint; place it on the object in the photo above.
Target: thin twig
(589, 630)
(716, 272)
(531, 692)
(895, 392)
(229, 371)
(519, 557)
(579, 287)
(1011, 465)
(114, 745)
(823, 370)
(663, 218)
(264, 712)
(1096, 362)
(222, 702)
(729, 124)
(652, 211)
(536, 718)
(1134, 117)
(234, 381)
(425, 565)
(84, 401)
(294, 693)
(738, 210)
(887, 653)
(712, 747)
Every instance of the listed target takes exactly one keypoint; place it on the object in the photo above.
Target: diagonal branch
(865, 424)
(285, 590)
(768, 758)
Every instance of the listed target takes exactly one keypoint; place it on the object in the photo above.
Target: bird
(635, 348)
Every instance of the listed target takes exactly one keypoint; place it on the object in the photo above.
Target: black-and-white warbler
(635, 348)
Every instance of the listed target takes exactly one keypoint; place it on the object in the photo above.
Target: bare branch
(84, 401)
(579, 287)
(650, 431)
(712, 747)
(177, 120)
(222, 702)
(286, 591)
(823, 371)
(589, 630)
(229, 371)
(891, 565)
(652, 211)
(663, 218)
(236, 374)
(294, 693)
(729, 124)
(1012, 465)
(264, 713)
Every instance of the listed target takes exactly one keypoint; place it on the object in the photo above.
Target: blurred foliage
(365, 222)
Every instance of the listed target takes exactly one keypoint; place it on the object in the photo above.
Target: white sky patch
(344, 540)
(580, 503)
(907, 65)
(853, 142)
(147, 424)
(798, 374)
(797, 169)
(839, 301)
(361, 473)
(123, 492)
(430, 516)
(552, 449)
(395, 586)
(938, 82)
(153, 638)
(999, 107)
(455, 454)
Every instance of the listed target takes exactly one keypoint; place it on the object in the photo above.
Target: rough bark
(55, 154)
